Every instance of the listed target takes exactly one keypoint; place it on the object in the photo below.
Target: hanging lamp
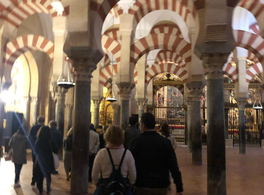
(65, 80)
(257, 105)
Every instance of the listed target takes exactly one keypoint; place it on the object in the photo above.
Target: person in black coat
(33, 137)
(44, 165)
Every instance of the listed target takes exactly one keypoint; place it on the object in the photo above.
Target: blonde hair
(113, 135)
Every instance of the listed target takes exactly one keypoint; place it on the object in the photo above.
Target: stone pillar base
(262, 143)
(229, 142)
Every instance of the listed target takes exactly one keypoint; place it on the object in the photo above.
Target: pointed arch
(112, 46)
(107, 73)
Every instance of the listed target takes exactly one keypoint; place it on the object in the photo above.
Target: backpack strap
(112, 162)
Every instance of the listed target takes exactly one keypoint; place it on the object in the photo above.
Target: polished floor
(245, 175)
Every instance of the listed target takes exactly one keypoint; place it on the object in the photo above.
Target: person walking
(44, 159)
(102, 163)
(165, 132)
(101, 138)
(155, 159)
(131, 131)
(93, 149)
(33, 137)
(68, 153)
(18, 144)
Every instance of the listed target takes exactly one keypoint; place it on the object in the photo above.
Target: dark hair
(105, 127)
(148, 120)
(21, 130)
(100, 127)
(91, 126)
(132, 120)
(165, 130)
(53, 124)
(41, 119)
(44, 133)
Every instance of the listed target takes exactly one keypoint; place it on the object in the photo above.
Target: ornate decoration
(125, 93)
(96, 103)
(195, 94)
(166, 77)
(125, 5)
(141, 104)
(83, 68)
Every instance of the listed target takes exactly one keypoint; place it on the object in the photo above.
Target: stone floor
(245, 175)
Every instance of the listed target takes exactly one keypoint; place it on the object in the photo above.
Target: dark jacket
(154, 159)
(102, 141)
(56, 137)
(44, 149)
(19, 144)
(33, 134)
(68, 143)
(130, 133)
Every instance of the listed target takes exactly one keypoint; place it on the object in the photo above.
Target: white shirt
(93, 142)
(103, 164)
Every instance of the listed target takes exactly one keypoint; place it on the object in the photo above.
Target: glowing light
(7, 96)
(58, 7)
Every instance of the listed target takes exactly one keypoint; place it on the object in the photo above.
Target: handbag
(56, 160)
(9, 155)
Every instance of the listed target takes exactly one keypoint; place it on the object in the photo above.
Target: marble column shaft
(242, 128)
(124, 112)
(69, 116)
(186, 125)
(60, 108)
(2, 113)
(79, 175)
(189, 130)
(196, 129)
(226, 122)
(27, 113)
(96, 113)
(216, 157)
(116, 116)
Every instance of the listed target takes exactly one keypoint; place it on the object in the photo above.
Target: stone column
(83, 68)
(69, 116)
(216, 157)
(60, 108)
(196, 124)
(242, 126)
(96, 112)
(116, 116)
(185, 125)
(2, 113)
(36, 101)
(189, 121)
(141, 108)
(27, 101)
(124, 97)
(226, 122)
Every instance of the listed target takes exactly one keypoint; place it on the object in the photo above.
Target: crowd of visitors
(145, 157)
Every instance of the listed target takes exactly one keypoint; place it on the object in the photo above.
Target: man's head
(147, 121)
(91, 126)
(53, 124)
(132, 120)
(41, 120)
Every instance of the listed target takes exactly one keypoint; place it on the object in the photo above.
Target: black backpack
(116, 184)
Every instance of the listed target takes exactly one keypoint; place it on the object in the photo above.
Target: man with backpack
(155, 159)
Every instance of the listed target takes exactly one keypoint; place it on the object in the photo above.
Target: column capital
(68, 105)
(125, 93)
(60, 91)
(97, 103)
(35, 100)
(195, 90)
(241, 102)
(141, 104)
(83, 68)
(213, 64)
(26, 98)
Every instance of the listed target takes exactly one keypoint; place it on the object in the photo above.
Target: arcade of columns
(196, 40)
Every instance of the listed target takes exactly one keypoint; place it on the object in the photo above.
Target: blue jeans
(18, 168)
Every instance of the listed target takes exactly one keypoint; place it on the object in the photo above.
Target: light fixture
(257, 106)
(113, 98)
(57, 7)
(65, 80)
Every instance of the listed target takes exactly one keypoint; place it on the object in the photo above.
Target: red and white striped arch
(114, 33)
(231, 71)
(161, 41)
(163, 68)
(254, 28)
(26, 43)
(253, 6)
(252, 57)
(107, 73)
(169, 56)
(158, 87)
(251, 42)
(253, 70)
(184, 8)
(111, 46)
(167, 29)
(17, 11)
